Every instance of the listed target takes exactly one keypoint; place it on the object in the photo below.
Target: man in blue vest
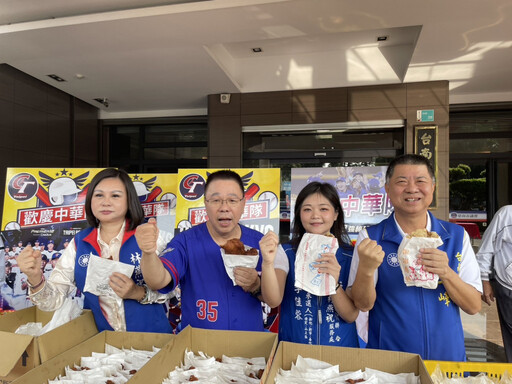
(409, 318)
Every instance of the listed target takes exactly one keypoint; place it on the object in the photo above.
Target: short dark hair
(329, 192)
(410, 159)
(135, 213)
(224, 174)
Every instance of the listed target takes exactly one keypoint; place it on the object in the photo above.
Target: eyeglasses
(232, 201)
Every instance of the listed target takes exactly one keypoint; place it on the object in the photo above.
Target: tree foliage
(467, 193)
(466, 168)
(456, 174)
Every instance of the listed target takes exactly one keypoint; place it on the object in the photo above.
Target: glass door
(314, 150)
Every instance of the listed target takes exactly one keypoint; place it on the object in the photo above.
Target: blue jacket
(309, 319)
(139, 317)
(414, 319)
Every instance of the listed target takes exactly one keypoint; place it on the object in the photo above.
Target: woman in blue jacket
(304, 317)
(113, 212)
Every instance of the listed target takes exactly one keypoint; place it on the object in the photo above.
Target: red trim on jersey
(174, 272)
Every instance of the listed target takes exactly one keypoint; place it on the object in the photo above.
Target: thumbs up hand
(147, 236)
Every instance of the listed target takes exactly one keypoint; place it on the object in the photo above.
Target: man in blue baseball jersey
(193, 260)
(415, 319)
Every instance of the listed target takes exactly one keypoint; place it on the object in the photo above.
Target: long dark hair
(135, 213)
(329, 192)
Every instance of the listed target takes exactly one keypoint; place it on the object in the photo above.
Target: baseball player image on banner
(262, 189)
(44, 207)
(360, 189)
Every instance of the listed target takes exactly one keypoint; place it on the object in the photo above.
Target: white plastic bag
(99, 272)
(68, 311)
(413, 273)
(32, 329)
(233, 261)
(439, 377)
(311, 248)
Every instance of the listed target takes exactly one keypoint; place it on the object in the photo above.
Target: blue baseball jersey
(208, 297)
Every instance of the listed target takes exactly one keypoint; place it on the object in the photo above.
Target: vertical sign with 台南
(425, 144)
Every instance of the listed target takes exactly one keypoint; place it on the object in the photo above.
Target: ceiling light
(56, 77)
(323, 137)
(324, 128)
(257, 50)
(382, 38)
(79, 76)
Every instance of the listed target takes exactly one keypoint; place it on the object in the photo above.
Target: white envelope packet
(233, 261)
(413, 273)
(391, 378)
(311, 247)
(98, 275)
(309, 370)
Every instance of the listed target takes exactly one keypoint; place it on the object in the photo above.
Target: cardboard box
(213, 343)
(349, 359)
(54, 367)
(27, 352)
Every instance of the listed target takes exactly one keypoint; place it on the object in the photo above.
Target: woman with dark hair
(134, 211)
(113, 212)
(304, 317)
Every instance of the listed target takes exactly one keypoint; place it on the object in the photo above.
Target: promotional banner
(262, 189)
(361, 191)
(44, 207)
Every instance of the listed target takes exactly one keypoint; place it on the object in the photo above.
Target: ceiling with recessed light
(162, 58)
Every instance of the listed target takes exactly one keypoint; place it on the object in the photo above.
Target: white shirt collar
(428, 228)
(119, 236)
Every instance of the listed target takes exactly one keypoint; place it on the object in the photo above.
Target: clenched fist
(29, 262)
(147, 236)
(268, 247)
(371, 256)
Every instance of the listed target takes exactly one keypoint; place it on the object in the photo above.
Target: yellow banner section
(49, 202)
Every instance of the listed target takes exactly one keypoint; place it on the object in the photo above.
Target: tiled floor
(483, 335)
